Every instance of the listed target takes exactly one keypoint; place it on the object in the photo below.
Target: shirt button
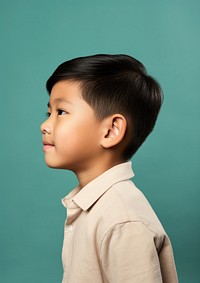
(69, 228)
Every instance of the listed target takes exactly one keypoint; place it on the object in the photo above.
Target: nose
(46, 128)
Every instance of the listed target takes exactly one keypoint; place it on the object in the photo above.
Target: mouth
(47, 146)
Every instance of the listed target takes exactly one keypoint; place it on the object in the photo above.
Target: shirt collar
(88, 195)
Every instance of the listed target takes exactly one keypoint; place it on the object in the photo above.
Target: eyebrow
(58, 100)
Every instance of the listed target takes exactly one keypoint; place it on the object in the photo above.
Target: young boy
(101, 109)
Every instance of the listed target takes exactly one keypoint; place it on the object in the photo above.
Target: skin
(75, 140)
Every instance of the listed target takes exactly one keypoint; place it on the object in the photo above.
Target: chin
(55, 166)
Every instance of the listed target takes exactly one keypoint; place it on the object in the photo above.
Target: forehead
(66, 91)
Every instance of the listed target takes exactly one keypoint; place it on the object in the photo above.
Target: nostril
(45, 129)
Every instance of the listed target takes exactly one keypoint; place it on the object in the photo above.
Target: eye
(61, 112)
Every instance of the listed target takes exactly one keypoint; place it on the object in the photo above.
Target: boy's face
(71, 134)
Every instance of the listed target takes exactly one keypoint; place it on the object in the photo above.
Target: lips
(47, 145)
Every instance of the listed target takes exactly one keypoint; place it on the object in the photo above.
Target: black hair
(113, 84)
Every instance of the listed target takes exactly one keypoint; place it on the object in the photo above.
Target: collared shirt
(112, 234)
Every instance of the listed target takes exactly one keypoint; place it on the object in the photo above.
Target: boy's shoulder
(123, 203)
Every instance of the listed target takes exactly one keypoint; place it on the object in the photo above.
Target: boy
(101, 109)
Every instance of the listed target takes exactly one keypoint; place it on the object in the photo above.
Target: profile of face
(71, 134)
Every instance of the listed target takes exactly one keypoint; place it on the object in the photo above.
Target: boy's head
(113, 84)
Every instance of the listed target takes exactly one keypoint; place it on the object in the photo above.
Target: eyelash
(59, 111)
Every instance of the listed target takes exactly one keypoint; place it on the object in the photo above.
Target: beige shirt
(112, 234)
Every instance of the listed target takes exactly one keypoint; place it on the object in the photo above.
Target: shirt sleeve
(129, 254)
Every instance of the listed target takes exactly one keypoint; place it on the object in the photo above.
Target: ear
(114, 130)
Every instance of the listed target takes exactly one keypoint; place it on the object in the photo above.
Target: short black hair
(113, 84)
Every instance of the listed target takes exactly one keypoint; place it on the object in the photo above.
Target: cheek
(67, 136)
(78, 134)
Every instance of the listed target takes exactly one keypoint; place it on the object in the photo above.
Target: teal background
(38, 35)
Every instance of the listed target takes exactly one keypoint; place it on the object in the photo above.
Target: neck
(91, 173)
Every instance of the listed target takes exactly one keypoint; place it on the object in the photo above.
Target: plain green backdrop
(38, 35)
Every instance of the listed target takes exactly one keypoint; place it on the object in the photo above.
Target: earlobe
(115, 129)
